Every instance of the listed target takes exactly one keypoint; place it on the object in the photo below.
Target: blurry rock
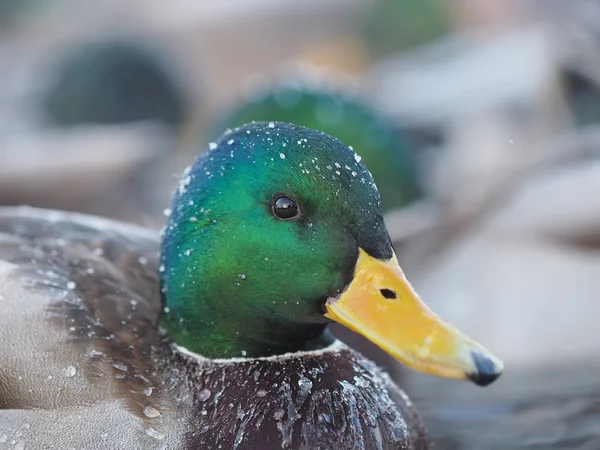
(115, 171)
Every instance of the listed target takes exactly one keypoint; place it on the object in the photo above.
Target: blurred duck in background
(110, 113)
(313, 103)
(113, 82)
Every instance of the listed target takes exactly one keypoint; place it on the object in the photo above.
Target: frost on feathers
(330, 398)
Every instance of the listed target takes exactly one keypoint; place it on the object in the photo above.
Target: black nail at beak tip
(483, 379)
(487, 371)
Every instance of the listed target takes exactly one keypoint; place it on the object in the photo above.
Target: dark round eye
(285, 208)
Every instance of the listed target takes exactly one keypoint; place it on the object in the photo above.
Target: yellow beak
(381, 305)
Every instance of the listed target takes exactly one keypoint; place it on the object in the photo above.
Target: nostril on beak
(487, 370)
(388, 293)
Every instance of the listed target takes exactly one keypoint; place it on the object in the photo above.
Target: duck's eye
(285, 208)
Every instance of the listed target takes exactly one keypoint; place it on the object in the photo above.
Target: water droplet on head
(242, 276)
(282, 156)
(212, 145)
(204, 395)
(148, 391)
(151, 412)
(261, 393)
(271, 124)
(244, 352)
(183, 184)
(120, 366)
(70, 371)
(154, 433)
(71, 285)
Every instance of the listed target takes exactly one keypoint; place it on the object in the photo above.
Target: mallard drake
(221, 341)
(303, 100)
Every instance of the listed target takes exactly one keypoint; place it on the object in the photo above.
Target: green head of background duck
(386, 151)
(114, 82)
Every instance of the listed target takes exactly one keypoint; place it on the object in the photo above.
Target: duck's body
(101, 341)
(65, 279)
(62, 277)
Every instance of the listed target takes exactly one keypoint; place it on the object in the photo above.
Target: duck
(113, 81)
(214, 332)
(113, 111)
(315, 101)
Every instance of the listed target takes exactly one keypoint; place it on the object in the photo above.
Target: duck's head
(276, 232)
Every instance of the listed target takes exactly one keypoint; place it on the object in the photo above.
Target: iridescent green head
(264, 228)
(277, 231)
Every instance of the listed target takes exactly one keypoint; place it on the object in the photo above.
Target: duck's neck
(212, 337)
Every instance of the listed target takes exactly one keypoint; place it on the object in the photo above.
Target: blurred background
(479, 120)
